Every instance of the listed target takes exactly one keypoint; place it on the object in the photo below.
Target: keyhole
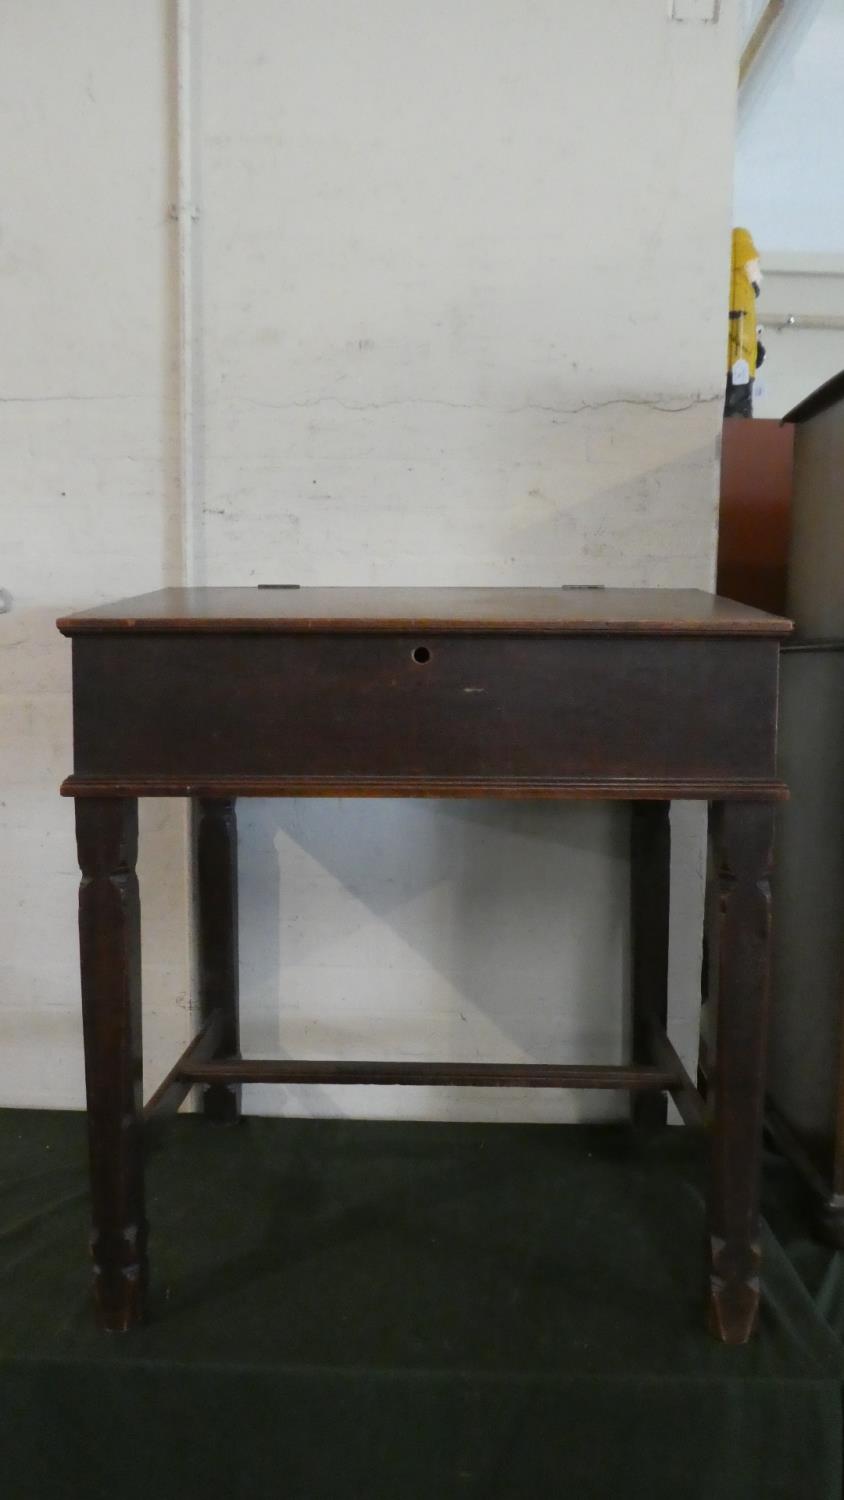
(421, 654)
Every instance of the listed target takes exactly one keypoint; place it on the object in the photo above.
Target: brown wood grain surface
(485, 709)
(534, 610)
(757, 460)
(110, 962)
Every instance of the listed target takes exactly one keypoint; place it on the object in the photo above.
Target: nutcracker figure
(744, 351)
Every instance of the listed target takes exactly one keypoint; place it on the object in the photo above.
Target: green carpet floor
(400, 1312)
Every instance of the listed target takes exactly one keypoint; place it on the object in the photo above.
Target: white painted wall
(789, 150)
(89, 505)
(790, 142)
(801, 357)
(444, 335)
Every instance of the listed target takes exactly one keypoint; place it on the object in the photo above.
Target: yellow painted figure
(744, 352)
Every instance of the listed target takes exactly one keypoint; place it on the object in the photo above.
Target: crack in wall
(659, 404)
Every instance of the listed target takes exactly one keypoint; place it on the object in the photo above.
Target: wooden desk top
(546, 611)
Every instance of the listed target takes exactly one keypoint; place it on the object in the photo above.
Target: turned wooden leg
(650, 859)
(215, 846)
(743, 835)
(110, 954)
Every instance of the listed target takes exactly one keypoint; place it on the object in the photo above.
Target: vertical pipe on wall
(185, 213)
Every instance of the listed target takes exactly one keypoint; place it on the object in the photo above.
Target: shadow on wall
(439, 929)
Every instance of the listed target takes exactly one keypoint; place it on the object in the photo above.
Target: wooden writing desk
(214, 694)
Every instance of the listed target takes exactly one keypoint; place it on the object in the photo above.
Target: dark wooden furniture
(781, 547)
(806, 1075)
(754, 519)
(214, 694)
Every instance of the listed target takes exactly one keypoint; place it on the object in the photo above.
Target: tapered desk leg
(110, 954)
(743, 835)
(650, 860)
(215, 852)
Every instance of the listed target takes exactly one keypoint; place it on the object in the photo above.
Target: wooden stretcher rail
(472, 1075)
(688, 1100)
(174, 1089)
(515, 788)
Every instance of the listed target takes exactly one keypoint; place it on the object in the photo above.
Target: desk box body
(347, 709)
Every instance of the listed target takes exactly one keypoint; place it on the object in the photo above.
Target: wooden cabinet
(782, 546)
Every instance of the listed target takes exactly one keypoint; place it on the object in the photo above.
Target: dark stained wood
(562, 611)
(563, 789)
(174, 1089)
(650, 868)
(826, 395)
(215, 854)
(545, 693)
(744, 844)
(754, 528)
(345, 710)
(810, 1132)
(689, 1101)
(110, 954)
(466, 1075)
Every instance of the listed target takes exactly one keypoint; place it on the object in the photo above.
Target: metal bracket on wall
(706, 11)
